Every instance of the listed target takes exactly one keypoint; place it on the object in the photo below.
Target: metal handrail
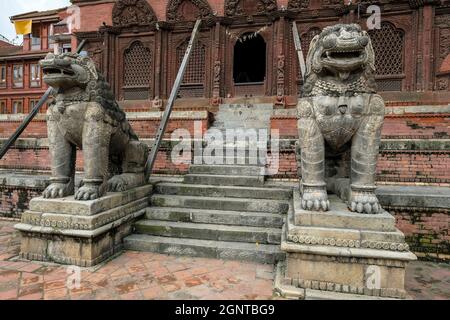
(10, 142)
(298, 48)
(165, 119)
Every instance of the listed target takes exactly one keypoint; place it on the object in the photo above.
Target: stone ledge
(414, 196)
(91, 222)
(285, 144)
(340, 217)
(131, 116)
(348, 252)
(82, 233)
(70, 206)
(28, 228)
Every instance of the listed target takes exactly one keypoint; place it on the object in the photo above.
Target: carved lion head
(339, 51)
(68, 70)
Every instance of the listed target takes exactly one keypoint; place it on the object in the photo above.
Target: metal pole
(165, 119)
(8, 144)
(298, 48)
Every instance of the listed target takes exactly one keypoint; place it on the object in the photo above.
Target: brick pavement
(137, 275)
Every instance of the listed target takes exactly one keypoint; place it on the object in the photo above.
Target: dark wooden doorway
(250, 65)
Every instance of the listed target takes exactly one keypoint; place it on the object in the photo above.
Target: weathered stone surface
(342, 228)
(81, 233)
(84, 114)
(340, 119)
(71, 206)
(224, 191)
(341, 217)
(339, 250)
(262, 253)
(209, 179)
(207, 231)
(217, 203)
(252, 219)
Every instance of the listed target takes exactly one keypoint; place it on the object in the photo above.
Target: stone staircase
(218, 211)
(224, 211)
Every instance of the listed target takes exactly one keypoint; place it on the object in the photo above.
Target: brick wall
(420, 167)
(15, 200)
(427, 232)
(395, 127)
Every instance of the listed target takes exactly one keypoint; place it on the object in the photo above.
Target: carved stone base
(82, 233)
(344, 252)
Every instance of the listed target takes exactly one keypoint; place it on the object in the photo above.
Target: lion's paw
(88, 192)
(58, 190)
(315, 200)
(125, 182)
(364, 202)
(117, 184)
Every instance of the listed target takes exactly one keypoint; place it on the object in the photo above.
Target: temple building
(245, 54)
(246, 48)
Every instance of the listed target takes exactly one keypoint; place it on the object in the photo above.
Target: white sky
(10, 8)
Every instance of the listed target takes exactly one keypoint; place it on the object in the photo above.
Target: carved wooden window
(307, 37)
(389, 46)
(137, 72)
(17, 106)
(35, 75)
(18, 76)
(194, 78)
(3, 76)
(3, 107)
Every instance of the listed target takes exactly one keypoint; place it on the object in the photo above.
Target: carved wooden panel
(133, 12)
(137, 72)
(307, 37)
(196, 79)
(389, 46)
(442, 39)
(195, 70)
(188, 10)
(298, 4)
(249, 7)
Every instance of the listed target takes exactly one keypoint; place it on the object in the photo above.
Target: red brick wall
(14, 201)
(427, 233)
(417, 127)
(427, 167)
(398, 127)
(145, 128)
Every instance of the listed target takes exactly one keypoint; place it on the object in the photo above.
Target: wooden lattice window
(195, 71)
(306, 39)
(194, 78)
(137, 72)
(389, 46)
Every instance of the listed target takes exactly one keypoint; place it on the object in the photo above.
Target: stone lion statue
(84, 114)
(340, 121)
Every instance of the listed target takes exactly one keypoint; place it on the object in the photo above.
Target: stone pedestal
(82, 233)
(344, 252)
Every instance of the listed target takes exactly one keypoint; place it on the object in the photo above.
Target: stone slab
(351, 255)
(341, 228)
(340, 216)
(70, 206)
(415, 196)
(82, 233)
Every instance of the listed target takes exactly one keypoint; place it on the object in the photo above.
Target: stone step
(209, 231)
(223, 191)
(235, 160)
(227, 204)
(232, 170)
(252, 219)
(222, 180)
(260, 253)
